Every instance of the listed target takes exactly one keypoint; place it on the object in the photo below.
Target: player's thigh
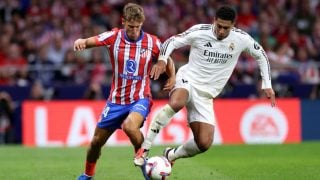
(113, 116)
(138, 114)
(133, 121)
(200, 108)
(179, 95)
(179, 98)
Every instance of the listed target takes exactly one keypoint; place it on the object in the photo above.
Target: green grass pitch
(290, 161)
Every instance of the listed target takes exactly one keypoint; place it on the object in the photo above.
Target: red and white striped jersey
(131, 64)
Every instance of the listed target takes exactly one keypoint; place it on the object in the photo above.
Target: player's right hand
(158, 69)
(271, 95)
(170, 84)
(79, 45)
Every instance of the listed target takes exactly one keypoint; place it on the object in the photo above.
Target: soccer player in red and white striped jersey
(131, 53)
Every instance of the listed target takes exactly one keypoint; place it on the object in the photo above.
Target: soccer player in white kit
(214, 51)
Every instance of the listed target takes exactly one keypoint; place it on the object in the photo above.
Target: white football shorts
(200, 103)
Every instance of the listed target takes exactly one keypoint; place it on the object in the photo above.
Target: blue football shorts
(113, 115)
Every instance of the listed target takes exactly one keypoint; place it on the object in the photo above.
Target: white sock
(158, 122)
(188, 149)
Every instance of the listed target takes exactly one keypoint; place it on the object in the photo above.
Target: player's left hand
(169, 84)
(271, 95)
(158, 69)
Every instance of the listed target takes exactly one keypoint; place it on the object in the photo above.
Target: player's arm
(171, 72)
(168, 47)
(260, 55)
(103, 39)
(82, 44)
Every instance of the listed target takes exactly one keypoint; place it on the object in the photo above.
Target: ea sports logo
(263, 124)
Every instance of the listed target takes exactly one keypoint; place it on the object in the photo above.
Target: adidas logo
(208, 45)
(184, 81)
(155, 130)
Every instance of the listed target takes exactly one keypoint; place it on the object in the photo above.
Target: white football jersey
(212, 61)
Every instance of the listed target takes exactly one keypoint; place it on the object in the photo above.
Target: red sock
(90, 168)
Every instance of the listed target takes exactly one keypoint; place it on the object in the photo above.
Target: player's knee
(128, 129)
(176, 105)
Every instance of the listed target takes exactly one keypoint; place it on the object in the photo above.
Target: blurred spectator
(14, 66)
(42, 69)
(29, 26)
(66, 73)
(303, 18)
(6, 117)
(246, 19)
(282, 64)
(56, 51)
(81, 73)
(245, 70)
(7, 10)
(94, 92)
(39, 93)
(309, 72)
(99, 69)
(315, 40)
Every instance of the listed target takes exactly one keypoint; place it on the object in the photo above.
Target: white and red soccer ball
(158, 167)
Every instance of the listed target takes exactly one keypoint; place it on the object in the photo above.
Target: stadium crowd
(36, 39)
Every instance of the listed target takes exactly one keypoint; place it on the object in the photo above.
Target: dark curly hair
(226, 13)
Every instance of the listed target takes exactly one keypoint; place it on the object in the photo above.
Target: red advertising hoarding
(72, 123)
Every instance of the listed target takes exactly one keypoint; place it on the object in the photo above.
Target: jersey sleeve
(106, 38)
(176, 42)
(156, 49)
(256, 51)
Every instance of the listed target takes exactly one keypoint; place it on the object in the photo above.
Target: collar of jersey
(127, 39)
(212, 30)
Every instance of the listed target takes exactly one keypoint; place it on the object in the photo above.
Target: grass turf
(289, 161)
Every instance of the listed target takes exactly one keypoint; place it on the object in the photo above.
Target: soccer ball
(158, 167)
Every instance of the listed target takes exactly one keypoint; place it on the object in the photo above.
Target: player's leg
(178, 99)
(131, 126)
(94, 150)
(111, 119)
(134, 121)
(201, 120)
(202, 141)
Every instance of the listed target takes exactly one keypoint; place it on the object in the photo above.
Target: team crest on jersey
(231, 46)
(144, 53)
(131, 66)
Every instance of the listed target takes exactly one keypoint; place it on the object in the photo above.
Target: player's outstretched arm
(82, 44)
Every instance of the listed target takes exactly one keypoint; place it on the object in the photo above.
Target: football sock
(160, 120)
(188, 149)
(90, 168)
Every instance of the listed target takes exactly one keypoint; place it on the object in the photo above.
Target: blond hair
(133, 12)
